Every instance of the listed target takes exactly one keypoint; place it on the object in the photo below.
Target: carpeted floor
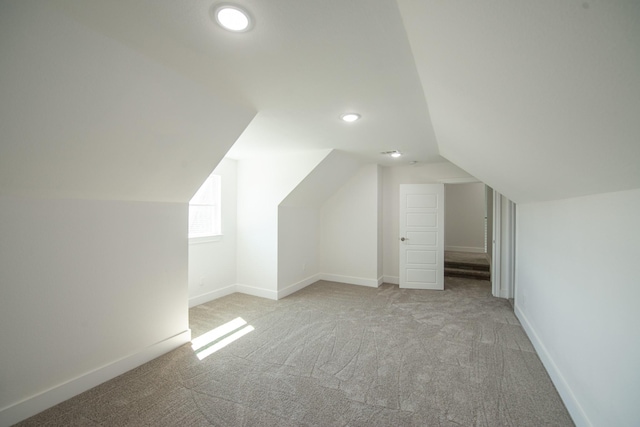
(338, 355)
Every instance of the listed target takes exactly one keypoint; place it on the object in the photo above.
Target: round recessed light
(350, 117)
(232, 17)
(392, 153)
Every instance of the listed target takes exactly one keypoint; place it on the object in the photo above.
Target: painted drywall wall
(84, 284)
(323, 180)
(212, 263)
(298, 220)
(263, 183)
(83, 116)
(576, 295)
(464, 212)
(489, 199)
(507, 247)
(379, 212)
(101, 151)
(298, 228)
(349, 237)
(391, 180)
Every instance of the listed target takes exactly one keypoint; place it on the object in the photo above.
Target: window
(204, 209)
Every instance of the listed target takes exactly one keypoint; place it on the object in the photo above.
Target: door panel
(422, 236)
(420, 276)
(421, 257)
(422, 200)
(422, 220)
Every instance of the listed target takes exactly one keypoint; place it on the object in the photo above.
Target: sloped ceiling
(302, 65)
(82, 116)
(539, 99)
(324, 180)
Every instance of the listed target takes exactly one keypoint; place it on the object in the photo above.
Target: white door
(422, 236)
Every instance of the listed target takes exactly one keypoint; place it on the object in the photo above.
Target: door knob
(403, 239)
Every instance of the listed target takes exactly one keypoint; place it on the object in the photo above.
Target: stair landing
(467, 264)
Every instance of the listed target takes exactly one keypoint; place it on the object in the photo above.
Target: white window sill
(204, 239)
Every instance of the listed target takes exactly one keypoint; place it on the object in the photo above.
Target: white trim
(496, 257)
(297, 286)
(205, 239)
(32, 405)
(569, 399)
(394, 280)
(510, 254)
(210, 296)
(380, 280)
(372, 283)
(256, 292)
(457, 180)
(465, 249)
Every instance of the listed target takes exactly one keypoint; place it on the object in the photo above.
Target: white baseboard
(464, 249)
(297, 286)
(257, 292)
(394, 280)
(32, 405)
(568, 396)
(373, 283)
(210, 296)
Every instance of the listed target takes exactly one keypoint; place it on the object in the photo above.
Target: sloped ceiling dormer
(84, 116)
(301, 65)
(539, 99)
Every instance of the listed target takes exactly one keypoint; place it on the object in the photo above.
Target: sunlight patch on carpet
(220, 337)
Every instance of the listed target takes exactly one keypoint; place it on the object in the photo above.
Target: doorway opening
(466, 238)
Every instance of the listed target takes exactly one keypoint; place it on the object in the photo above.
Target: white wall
(212, 264)
(349, 238)
(391, 180)
(83, 116)
(379, 213)
(299, 221)
(489, 201)
(263, 183)
(464, 212)
(85, 284)
(577, 296)
(297, 248)
(101, 149)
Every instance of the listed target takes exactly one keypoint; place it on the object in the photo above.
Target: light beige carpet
(338, 355)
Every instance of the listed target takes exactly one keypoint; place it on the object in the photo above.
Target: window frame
(215, 181)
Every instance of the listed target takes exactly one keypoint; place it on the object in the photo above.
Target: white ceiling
(82, 116)
(539, 99)
(302, 65)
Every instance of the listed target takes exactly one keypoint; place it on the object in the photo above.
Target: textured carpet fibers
(337, 355)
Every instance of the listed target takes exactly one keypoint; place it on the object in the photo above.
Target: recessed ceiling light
(350, 117)
(231, 17)
(392, 153)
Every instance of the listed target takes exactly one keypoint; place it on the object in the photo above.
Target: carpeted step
(467, 273)
(467, 266)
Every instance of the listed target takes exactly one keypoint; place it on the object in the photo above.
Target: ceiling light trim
(350, 117)
(393, 153)
(237, 14)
